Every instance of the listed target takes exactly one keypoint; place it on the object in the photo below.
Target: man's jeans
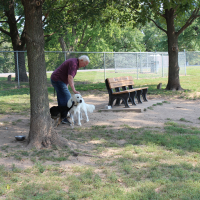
(63, 94)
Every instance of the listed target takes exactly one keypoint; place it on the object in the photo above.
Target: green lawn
(152, 163)
(89, 81)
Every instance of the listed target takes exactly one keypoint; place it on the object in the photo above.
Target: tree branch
(90, 38)
(175, 9)
(189, 21)
(19, 18)
(162, 29)
(45, 17)
(23, 40)
(59, 9)
(155, 22)
(49, 34)
(2, 41)
(6, 32)
(83, 33)
(52, 33)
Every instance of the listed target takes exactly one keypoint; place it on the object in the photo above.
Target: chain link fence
(137, 64)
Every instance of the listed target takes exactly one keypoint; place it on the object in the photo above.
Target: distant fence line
(139, 64)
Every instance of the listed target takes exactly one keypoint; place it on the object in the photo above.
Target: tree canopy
(87, 25)
(172, 18)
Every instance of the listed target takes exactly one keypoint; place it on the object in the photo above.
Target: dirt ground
(154, 116)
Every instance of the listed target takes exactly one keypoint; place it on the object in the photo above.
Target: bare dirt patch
(177, 110)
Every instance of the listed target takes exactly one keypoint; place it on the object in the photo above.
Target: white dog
(79, 106)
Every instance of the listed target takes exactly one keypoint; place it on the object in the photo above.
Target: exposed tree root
(55, 140)
(174, 88)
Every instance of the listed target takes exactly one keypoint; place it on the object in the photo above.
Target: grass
(17, 100)
(184, 120)
(150, 164)
(138, 163)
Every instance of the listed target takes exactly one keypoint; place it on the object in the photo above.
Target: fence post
(155, 67)
(140, 62)
(115, 62)
(17, 70)
(137, 64)
(162, 67)
(147, 60)
(185, 63)
(104, 63)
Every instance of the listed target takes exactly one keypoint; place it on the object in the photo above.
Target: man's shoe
(66, 121)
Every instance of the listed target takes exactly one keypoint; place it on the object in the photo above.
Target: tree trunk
(62, 43)
(17, 43)
(173, 73)
(41, 134)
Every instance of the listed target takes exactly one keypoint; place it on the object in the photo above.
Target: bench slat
(130, 90)
(120, 84)
(122, 78)
(121, 92)
(126, 91)
(120, 81)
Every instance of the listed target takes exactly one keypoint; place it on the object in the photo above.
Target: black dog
(59, 112)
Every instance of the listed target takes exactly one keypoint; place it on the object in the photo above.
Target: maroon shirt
(69, 67)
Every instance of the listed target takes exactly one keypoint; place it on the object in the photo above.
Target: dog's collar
(72, 103)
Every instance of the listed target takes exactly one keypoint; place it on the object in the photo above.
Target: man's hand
(76, 92)
(71, 83)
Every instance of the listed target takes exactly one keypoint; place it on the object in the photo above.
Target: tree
(171, 17)
(40, 125)
(10, 28)
(12, 25)
(57, 17)
(41, 134)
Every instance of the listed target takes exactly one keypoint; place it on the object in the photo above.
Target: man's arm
(71, 83)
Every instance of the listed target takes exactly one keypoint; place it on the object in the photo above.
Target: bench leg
(117, 102)
(139, 92)
(144, 94)
(111, 100)
(122, 102)
(132, 97)
(124, 97)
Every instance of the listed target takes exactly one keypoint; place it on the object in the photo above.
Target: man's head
(83, 61)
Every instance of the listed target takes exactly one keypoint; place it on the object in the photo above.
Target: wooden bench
(121, 88)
